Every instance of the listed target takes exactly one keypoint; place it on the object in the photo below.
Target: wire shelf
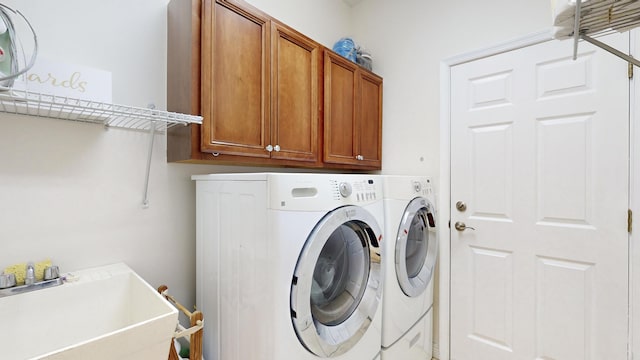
(61, 107)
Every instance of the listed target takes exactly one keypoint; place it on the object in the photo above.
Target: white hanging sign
(68, 80)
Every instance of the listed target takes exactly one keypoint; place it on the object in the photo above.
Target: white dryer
(288, 266)
(410, 251)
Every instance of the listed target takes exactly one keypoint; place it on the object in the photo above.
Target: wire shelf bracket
(601, 17)
(149, 120)
(610, 49)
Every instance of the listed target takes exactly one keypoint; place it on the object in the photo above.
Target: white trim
(444, 193)
(634, 201)
(444, 279)
(511, 45)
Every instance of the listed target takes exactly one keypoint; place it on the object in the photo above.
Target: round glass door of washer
(416, 247)
(336, 285)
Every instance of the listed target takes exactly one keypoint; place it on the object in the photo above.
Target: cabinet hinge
(629, 220)
(630, 70)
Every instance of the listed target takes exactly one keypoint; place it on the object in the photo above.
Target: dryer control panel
(399, 187)
(423, 187)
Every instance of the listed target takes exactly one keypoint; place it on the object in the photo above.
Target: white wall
(323, 21)
(408, 40)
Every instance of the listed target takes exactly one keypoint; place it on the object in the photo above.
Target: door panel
(492, 297)
(235, 80)
(295, 95)
(553, 277)
(539, 153)
(340, 111)
(370, 122)
(492, 164)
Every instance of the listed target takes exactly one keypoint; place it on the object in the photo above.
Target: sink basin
(105, 313)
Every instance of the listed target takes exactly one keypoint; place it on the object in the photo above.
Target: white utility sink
(101, 313)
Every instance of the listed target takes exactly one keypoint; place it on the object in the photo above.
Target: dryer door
(416, 247)
(336, 287)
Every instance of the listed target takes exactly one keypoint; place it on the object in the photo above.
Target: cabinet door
(295, 95)
(235, 80)
(370, 120)
(339, 110)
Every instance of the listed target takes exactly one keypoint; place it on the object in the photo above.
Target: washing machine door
(416, 247)
(336, 287)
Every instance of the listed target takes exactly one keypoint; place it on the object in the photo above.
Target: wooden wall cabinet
(259, 86)
(353, 114)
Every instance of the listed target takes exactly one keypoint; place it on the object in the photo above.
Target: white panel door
(539, 156)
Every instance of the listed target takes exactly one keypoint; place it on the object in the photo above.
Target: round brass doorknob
(460, 226)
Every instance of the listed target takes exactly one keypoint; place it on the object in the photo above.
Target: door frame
(442, 347)
(634, 200)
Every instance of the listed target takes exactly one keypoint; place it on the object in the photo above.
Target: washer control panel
(357, 191)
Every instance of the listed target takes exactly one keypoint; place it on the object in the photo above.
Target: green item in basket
(184, 352)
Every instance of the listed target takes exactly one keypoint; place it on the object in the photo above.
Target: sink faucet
(8, 281)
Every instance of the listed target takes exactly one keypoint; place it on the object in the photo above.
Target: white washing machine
(288, 266)
(410, 251)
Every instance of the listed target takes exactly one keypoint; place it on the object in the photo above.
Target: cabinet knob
(269, 148)
(359, 157)
(276, 148)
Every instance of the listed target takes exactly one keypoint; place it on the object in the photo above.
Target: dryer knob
(345, 189)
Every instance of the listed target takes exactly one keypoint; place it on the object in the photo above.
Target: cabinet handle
(269, 148)
(276, 148)
(359, 157)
